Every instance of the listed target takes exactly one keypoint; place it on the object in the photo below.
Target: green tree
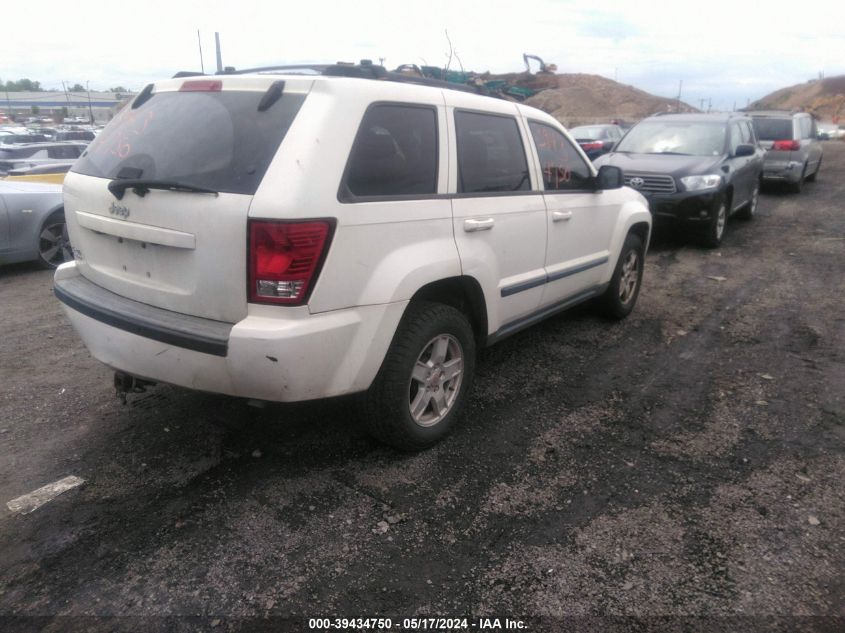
(77, 88)
(119, 89)
(23, 85)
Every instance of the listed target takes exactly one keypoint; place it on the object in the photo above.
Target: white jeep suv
(287, 237)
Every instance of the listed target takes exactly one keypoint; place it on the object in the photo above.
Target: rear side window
(563, 168)
(490, 154)
(215, 140)
(806, 127)
(773, 129)
(395, 152)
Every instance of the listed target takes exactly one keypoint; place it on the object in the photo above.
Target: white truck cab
(289, 237)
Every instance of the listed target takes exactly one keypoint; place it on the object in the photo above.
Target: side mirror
(609, 177)
(744, 150)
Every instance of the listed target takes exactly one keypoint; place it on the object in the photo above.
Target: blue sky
(729, 52)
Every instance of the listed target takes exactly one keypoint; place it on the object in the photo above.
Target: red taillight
(786, 146)
(202, 85)
(285, 259)
(588, 147)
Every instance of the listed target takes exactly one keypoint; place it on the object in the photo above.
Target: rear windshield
(590, 133)
(773, 129)
(213, 140)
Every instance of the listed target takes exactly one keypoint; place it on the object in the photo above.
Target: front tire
(423, 383)
(716, 228)
(53, 242)
(619, 299)
(749, 210)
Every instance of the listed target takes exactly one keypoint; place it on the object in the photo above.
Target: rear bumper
(282, 354)
(782, 170)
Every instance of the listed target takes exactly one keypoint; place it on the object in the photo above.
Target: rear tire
(619, 299)
(796, 187)
(422, 386)
(812, 178)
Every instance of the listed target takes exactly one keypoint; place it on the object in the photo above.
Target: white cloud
(722, 50)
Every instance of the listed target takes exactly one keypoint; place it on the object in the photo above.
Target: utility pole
(9, 105)
(219, 56)
(199, 42)
(90, 108)
(680, 88)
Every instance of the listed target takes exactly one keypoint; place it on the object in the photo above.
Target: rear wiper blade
(142, 186)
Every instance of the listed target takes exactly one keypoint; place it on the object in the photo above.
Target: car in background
(16, 138)
(51, 172)
(34, 154)
(74, 135)
(829, 131)
(793, 151)
(32, 224)
(596, 140)
(696, 170)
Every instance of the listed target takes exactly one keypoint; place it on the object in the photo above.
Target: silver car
(793, 151)
(32, 224)
(25, 155)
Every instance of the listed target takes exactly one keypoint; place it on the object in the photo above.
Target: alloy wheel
(54, 245)
(630, 276)
(436, 380)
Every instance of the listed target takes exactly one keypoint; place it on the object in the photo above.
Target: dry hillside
(825, 98)
(581, 98)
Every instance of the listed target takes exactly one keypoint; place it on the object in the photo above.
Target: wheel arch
(463, 293)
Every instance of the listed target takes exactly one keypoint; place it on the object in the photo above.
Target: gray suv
(793, 153)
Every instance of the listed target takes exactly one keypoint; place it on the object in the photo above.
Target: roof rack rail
(366, 69)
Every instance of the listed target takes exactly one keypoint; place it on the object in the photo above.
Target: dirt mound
(581, 98)
(824, 98)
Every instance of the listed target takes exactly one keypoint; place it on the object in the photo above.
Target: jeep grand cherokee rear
(286, 238)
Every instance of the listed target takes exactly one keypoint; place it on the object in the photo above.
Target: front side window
(563, 168)
(395, 152)
(490, 154)
(736, 137)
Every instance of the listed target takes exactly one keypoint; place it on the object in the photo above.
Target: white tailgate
(179, 251)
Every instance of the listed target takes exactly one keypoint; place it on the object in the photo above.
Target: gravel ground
(682, 469)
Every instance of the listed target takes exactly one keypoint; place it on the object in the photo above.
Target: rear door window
(394, 154)
(491, 157)
(563, 168)
(217, 140)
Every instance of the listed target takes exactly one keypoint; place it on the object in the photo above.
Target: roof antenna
(219, 56)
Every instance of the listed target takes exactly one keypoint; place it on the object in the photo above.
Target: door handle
(561, 216)
(470, 226)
